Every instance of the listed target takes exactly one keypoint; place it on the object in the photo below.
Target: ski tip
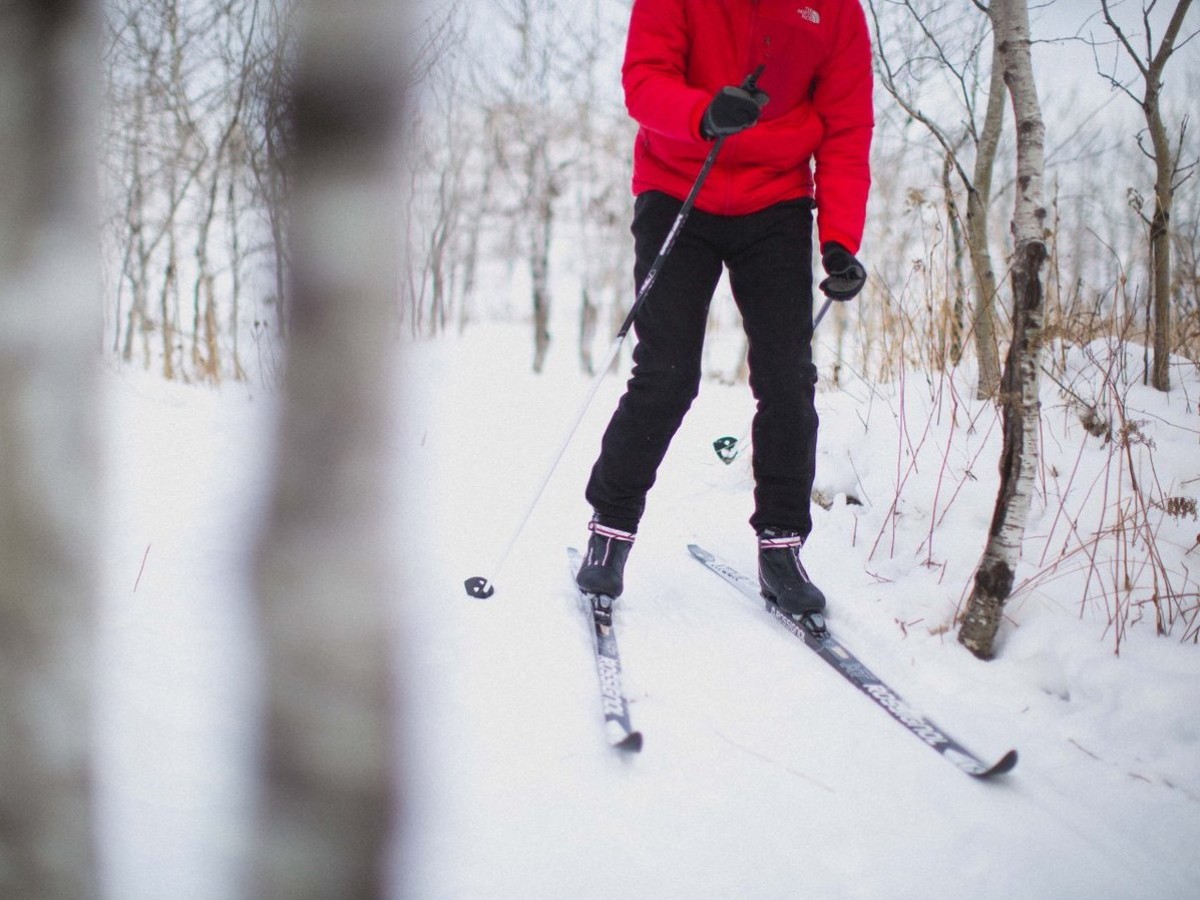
(479, 587)
(1006, 764)
(631, 743)
(699, 552)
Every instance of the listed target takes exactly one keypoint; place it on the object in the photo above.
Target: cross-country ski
(812, 630)
(598, 609)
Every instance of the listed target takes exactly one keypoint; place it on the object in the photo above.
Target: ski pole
(824, 309)
(669, 242)
(480, 585)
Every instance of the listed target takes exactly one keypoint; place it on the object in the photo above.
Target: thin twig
(141, 569)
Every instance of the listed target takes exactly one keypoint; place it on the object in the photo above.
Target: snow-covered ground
(763, 774)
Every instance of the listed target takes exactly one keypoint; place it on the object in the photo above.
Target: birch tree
(323, 573)
(49, 329)
(1020, 404)
(1151, 64)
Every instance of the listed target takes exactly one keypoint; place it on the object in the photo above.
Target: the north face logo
(809, 14)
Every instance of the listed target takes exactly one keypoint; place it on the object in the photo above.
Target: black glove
(846, 275)
(733, 109)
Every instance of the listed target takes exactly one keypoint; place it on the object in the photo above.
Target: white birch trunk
(325, 580)
(49, 337)
(1021, 407)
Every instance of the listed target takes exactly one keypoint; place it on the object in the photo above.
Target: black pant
(769, 257)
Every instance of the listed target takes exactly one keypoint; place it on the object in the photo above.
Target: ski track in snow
(763, 774)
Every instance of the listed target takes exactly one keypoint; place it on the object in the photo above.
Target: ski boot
(784, 581)
(602, 575)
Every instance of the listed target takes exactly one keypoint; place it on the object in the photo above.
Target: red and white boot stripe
(614, 533)
(780, 543)
(609, 535)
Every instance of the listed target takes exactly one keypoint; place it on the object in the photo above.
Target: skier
(795, 140)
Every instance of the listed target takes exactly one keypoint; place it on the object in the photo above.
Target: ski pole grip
(751, 81)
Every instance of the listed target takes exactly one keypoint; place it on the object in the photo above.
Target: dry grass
(1113, 536)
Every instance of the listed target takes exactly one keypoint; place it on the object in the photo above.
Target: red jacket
(814, 136)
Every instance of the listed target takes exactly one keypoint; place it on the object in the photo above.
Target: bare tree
(526, 143)
(323, 573)
(1021, 406)
(271, 80)
(450, 184)
(602, 206)
(1165, 153)
(928, 45)
(187, 151)
(48, 482)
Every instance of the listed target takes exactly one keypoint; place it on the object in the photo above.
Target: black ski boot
(603, 569)
(782, 577)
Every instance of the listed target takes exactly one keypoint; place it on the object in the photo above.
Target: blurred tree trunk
(1166, 171)
(325, 579)
(49, 334)
(541, 232)
(588, 314)
(1019, 387)
(527, 144)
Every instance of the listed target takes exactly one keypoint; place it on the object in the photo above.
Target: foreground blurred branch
(324, 580)
(49, 288)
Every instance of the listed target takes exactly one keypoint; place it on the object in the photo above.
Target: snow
(763, 773)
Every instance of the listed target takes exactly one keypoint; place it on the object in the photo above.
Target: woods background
(520, 152)
(514, 207)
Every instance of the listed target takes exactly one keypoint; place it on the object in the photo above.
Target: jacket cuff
(832, 235)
